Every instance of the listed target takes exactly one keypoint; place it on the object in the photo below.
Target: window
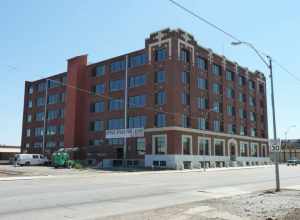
(37, 144)
(53, 114)
(216, 125)
(251, 85)
(253, 132)
(160, 76)
(140, 146)
(40, 101)
(97, 106)
(160, 120)
(202, 83)
(136, 81)
(252, 116)
(185, 98)
(99, 88)
(186, 142)
(231, 128)
(116, 104)
(243, 149)
(137, 101)
(216, 88)
(116, 141)
(96, 125)
(51, 130)
(39, 131)
(28, 130)
(242, 130)
(137, 60)
(254, 149)
(50, 144)
(160, 98)
(185, 77)
(202, 103)
(61, 144)
(185, 121)
(252, 101)
(29, 103)
(160, 54)
(29, 118)
(242, 97)
(53, 83)
(229, 75)
(99, 70)
(202, 123)
(201, 63)
(242, 80)
(116, 123)
(230, 93)
(117, 66)
(203, 146)
(184, 55)
(39, 116)
(242, 113)
(216, 69)
(30, 90)
(262, 88)
(230, 110)
(217, 106)
(41, 87)
(96, 142)
(159, 144)
(54, 99)
(137, 122)
(219, 147)
(116, 85)
(61, 129)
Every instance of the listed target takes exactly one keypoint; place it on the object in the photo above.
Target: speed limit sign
(275, 145)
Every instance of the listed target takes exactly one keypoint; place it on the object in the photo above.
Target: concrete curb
(25, 178)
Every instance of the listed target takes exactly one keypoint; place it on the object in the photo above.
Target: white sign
(122, 133)
(275, 145)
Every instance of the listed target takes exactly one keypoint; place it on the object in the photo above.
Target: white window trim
(153, 142)
(209, 144)
(247, 148)
(251, 146)
(234, 141)
(222, 140)
(191, 141)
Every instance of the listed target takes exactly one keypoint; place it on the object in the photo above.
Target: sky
(37, 37)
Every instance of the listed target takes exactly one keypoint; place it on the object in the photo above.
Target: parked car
(31, 159)
(293, 162)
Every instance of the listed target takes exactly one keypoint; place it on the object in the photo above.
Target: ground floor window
(159, 144)
(140, 146)
(204, 146)
(243, 149)
(219, 147)
(186, 142)
(254, 149)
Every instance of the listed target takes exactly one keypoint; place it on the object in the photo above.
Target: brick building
(196, 107)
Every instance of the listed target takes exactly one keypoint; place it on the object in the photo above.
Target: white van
(30, 159)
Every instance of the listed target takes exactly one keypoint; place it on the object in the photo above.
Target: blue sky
(36, 38)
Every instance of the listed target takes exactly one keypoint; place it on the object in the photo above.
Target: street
(100, 195)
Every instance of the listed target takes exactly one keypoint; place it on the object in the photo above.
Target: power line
(229, 35)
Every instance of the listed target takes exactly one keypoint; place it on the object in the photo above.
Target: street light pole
(270, 67)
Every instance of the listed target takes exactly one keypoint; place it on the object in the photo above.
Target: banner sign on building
(122, 133)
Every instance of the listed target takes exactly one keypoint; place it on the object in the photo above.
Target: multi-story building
(196, 106)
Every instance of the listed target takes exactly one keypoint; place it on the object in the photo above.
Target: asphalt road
(100, 195)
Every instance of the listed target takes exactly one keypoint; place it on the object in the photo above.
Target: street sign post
(275, 145)
(124, 133)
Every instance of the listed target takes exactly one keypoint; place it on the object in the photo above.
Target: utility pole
(45, 116)
(125, 111)
(274, 125)
(269, 65)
